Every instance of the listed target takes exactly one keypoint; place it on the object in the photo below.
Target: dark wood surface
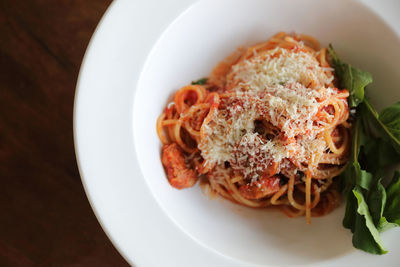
(45, 217)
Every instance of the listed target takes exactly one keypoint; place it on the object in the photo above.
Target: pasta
(268, 127)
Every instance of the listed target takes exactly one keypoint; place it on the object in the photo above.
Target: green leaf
(384, 225)
(376, 202)
(349, 219)
(340, 67)
(370, 208)
(360, 80)
(358, 141)
(201, 81)
(351, 78)
(379, 154)
(392, 209)
(347, 179)
(366, 235)
(363, 178)
(388, 127)
(363, 238)
(390, 118)
(353, 173)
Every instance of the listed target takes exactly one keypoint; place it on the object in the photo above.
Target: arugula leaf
(379, 154)
(363, 178)
(389, 127)
(392, 209)
(351, 176)
(355, 176)
(384, 225)
(377, 202)
(360, 80)
(201, 81)
(365, 204)
(363, 239)
(366, 235)
(370, 208)
(350, 78)
(390, 116)
(349, 220)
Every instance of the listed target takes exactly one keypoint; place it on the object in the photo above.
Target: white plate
(123, 87)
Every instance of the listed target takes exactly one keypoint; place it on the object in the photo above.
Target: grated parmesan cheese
(262, 71)
(276, 87)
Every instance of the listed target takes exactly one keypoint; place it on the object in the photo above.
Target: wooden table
(45, 217)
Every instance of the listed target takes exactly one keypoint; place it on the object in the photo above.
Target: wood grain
(45, 217)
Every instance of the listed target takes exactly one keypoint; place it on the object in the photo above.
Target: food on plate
(285, 123)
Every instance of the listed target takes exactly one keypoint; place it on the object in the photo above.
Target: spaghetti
(267, 128)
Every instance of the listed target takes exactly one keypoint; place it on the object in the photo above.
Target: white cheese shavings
(279, 66)
(280, 88)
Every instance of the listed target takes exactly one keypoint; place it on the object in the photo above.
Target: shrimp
(264, 187)
(178, 174)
